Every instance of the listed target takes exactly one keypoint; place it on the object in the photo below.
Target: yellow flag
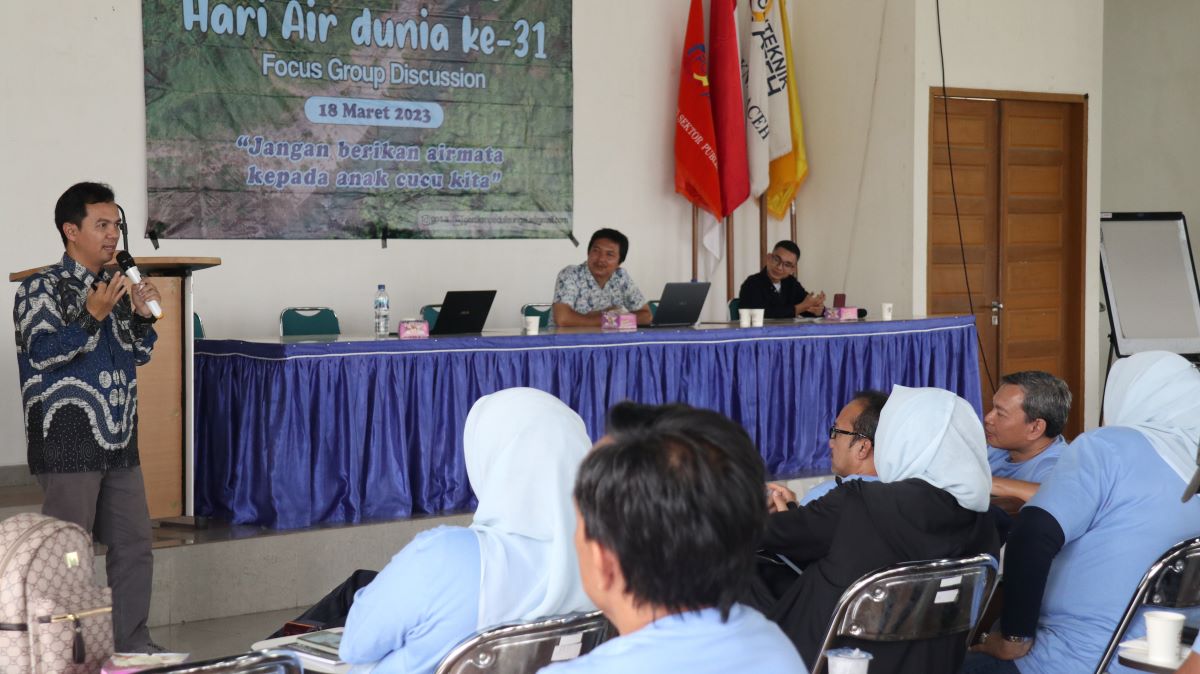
(789, 171)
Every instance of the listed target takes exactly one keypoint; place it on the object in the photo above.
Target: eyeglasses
(780, 262)
(834, 431)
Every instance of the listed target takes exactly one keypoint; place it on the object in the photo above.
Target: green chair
(541, 310)
(297, 321)
(197, 327)
(653, 308)
(429, 314)
(733, 308)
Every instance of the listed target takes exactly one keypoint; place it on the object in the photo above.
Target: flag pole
(729, 257)
(792, 216)
(695, 242)
(762, 224)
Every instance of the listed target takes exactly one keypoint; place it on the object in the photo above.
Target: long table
(293, 433)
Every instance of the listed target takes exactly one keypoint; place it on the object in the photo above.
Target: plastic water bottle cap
(381, 286)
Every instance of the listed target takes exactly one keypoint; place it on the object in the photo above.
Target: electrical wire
(962, 248)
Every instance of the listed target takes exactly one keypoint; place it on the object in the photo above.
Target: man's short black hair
(1046, 397)
(72, 205)
(789, 246)
(628, 416)
(868, 419)
(680, 504)
(613, 235)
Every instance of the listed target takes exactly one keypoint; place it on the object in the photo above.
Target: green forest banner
(335, 119)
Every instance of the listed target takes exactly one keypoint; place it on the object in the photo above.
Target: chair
(262, 662)
(429, 314)
(1172, 582)
(527, 647)
(911, 601)
(296, 321)
(541, 310)
(197, 327)
(733, 308)
(653, 308)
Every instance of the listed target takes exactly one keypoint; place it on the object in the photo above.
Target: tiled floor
(224, 636)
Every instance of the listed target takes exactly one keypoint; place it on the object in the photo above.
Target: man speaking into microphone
(81, 332)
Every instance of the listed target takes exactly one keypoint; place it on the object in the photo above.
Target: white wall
(71, 75)
(1152, 95)
(1017, 45)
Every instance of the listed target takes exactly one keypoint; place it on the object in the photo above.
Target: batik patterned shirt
(78, 375)
(577, 287)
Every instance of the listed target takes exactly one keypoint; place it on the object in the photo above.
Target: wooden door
(1041, 232)
(974, 128)
(1020, 179)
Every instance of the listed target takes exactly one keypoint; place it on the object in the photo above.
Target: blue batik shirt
(78, 375)
(577, 287)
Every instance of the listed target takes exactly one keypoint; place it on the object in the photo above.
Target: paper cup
(532, 323)
(756, 317)
(885, 312)
(1163, 629)
(744, 317)
(848, 661)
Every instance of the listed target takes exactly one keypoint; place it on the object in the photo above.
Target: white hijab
(522, 448)
(936, 436)
(1157, 394)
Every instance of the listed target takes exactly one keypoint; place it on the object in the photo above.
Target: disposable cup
(1163, 629)
(848, 661)
(886, 311)
(756, 317)
(744, 317)
(532, 323)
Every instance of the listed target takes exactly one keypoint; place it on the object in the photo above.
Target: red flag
(696, 176)
(729, 111)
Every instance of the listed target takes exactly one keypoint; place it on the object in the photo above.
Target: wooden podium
(165, 405)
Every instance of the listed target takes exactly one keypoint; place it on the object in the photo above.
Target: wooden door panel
(160, 406)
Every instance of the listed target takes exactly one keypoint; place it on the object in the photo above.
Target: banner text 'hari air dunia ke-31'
(334, 119)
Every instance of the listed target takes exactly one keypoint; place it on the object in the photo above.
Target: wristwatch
(1016, 640)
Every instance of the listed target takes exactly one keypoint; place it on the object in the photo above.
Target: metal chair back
(1171, 582)
(518, 648)
(653, 304)
(733, 308)
(429, 314)
(541, 310)
(197, 326)
(262, 662)
(298, 321)
(913, 600)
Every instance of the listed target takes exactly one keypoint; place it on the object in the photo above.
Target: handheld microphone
(125, 261)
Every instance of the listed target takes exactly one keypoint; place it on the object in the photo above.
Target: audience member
(584, 291)
(776, 290)
(1192, 664)
(516, 561)
(851, 450)
(627, 416)
(1096, 525)
(931, 502)
(669, 517)
(1024, 431)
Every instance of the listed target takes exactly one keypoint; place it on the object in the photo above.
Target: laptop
(681, 304)
(463, 311)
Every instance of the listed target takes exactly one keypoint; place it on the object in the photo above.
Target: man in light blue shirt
(1024, 431)
(851, 449)
(668, 521)
(583, 292)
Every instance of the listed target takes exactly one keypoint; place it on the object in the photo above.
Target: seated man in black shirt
(776, 289)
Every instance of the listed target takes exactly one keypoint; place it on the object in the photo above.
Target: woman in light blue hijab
(515, 562)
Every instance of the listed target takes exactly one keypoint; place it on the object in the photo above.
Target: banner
(337, 119)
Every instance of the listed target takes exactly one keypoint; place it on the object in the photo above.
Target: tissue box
(413, 328)
(842, 313)
(612, 320)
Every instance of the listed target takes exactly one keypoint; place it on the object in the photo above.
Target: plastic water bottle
(382, 304)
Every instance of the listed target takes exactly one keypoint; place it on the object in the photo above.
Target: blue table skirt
(297, 434)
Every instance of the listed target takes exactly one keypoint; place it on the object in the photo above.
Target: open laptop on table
(681, 304)
(463, 311)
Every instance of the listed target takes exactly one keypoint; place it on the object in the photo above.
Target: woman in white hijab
(1110, 508)
(515, 562)
(931, 502)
